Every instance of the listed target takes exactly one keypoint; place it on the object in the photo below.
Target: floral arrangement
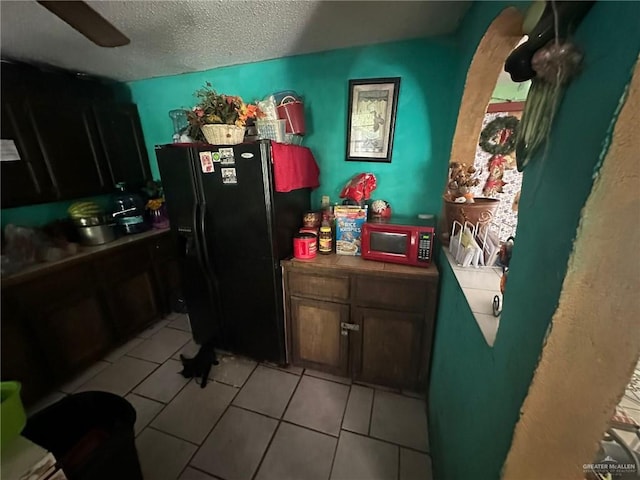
(218, 108)
(461, 179)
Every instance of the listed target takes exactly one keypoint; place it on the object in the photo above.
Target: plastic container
(129, 211)
(272, 130)
(91, 435)
(305, 246)
(12, 416)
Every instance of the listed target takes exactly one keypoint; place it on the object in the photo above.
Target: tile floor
(256, 421)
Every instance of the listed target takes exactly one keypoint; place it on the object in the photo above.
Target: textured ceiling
(176, 37)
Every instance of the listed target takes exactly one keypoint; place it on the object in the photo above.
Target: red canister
(305, 246)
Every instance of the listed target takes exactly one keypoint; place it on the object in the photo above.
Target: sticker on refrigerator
(229, 176)
(246, 155)
(226, 156)
(216, 156)
(206, 162)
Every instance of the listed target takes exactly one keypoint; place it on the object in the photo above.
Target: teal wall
(476, 392)
(413, 182)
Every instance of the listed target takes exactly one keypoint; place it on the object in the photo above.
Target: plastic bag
(359, 187)
(268, 107)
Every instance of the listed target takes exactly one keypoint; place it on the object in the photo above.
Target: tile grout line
(266, 450)
(215, 477)
(172, 436)
(238, 389)
(280, 369)
(275, 431)
(373, 399)
(388, 442)
(335, 450)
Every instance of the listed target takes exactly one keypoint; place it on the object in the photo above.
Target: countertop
(479, 286)
(83, 253)
(357, 264)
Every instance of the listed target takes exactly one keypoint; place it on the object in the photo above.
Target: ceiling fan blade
(88, 22)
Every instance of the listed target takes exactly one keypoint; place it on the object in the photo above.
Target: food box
(349, 220)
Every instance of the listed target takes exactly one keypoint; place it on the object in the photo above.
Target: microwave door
(389, 243)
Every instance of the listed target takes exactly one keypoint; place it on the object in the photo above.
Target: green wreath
(493, 128)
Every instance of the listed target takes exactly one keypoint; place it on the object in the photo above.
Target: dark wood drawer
(396, 294)
(52, 287)
(327, 287)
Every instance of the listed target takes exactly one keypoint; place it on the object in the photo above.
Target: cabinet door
(316, 335)
(22, 358)
(129, 287)
(69, 143)
(68, 317)
(123, 144)
(24, 181)
(74, 332)
(386, 347)
(133, 302)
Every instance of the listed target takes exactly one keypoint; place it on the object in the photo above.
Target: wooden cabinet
(74, 139)
(68, 141)
(166, 270)
(368, 320)
(26, 180)
(316, 335)
(386, 346)
(58, 320)
(129, 288)
(123, 143)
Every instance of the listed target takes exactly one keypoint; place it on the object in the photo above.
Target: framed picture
(371, 119)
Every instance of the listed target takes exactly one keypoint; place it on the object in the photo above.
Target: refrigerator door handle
(196, 234)
(202, 232)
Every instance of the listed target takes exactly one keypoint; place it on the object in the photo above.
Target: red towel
(294, 167)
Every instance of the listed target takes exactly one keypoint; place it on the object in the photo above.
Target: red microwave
(399, 240)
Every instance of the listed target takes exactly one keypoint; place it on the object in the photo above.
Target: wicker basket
(222, 134)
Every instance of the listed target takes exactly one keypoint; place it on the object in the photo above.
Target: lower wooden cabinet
(371, 321)
(386, 346)
(58, 321)
(316, 335)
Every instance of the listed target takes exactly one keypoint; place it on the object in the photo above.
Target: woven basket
(222, 134)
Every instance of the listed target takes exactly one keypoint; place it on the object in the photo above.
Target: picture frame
(371, 119)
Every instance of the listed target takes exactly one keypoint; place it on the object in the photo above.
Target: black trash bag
(91, 434)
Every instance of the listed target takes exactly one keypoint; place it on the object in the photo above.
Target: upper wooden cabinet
(123, 144)
(74, 139)
(70, 146)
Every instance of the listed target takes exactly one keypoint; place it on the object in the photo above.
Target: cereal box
(349, 220)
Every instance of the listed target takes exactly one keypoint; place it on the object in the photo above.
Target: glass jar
(325, 239)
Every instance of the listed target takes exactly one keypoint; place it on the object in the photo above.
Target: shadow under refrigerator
(232, 229)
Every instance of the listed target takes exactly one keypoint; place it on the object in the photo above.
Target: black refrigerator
(232, 229)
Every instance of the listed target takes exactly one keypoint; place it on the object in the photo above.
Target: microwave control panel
(424, 246)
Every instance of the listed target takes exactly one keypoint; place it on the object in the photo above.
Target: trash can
(91, 434)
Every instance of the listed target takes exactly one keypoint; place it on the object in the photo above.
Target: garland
(504, 128)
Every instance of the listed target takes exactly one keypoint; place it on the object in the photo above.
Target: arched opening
(487, 100)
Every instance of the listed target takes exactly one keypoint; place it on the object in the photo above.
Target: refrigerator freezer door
(184, 209)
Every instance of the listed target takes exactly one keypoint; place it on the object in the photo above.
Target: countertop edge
(86, 253)
(363, 267)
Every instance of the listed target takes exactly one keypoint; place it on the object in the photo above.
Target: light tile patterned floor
(257, 421)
